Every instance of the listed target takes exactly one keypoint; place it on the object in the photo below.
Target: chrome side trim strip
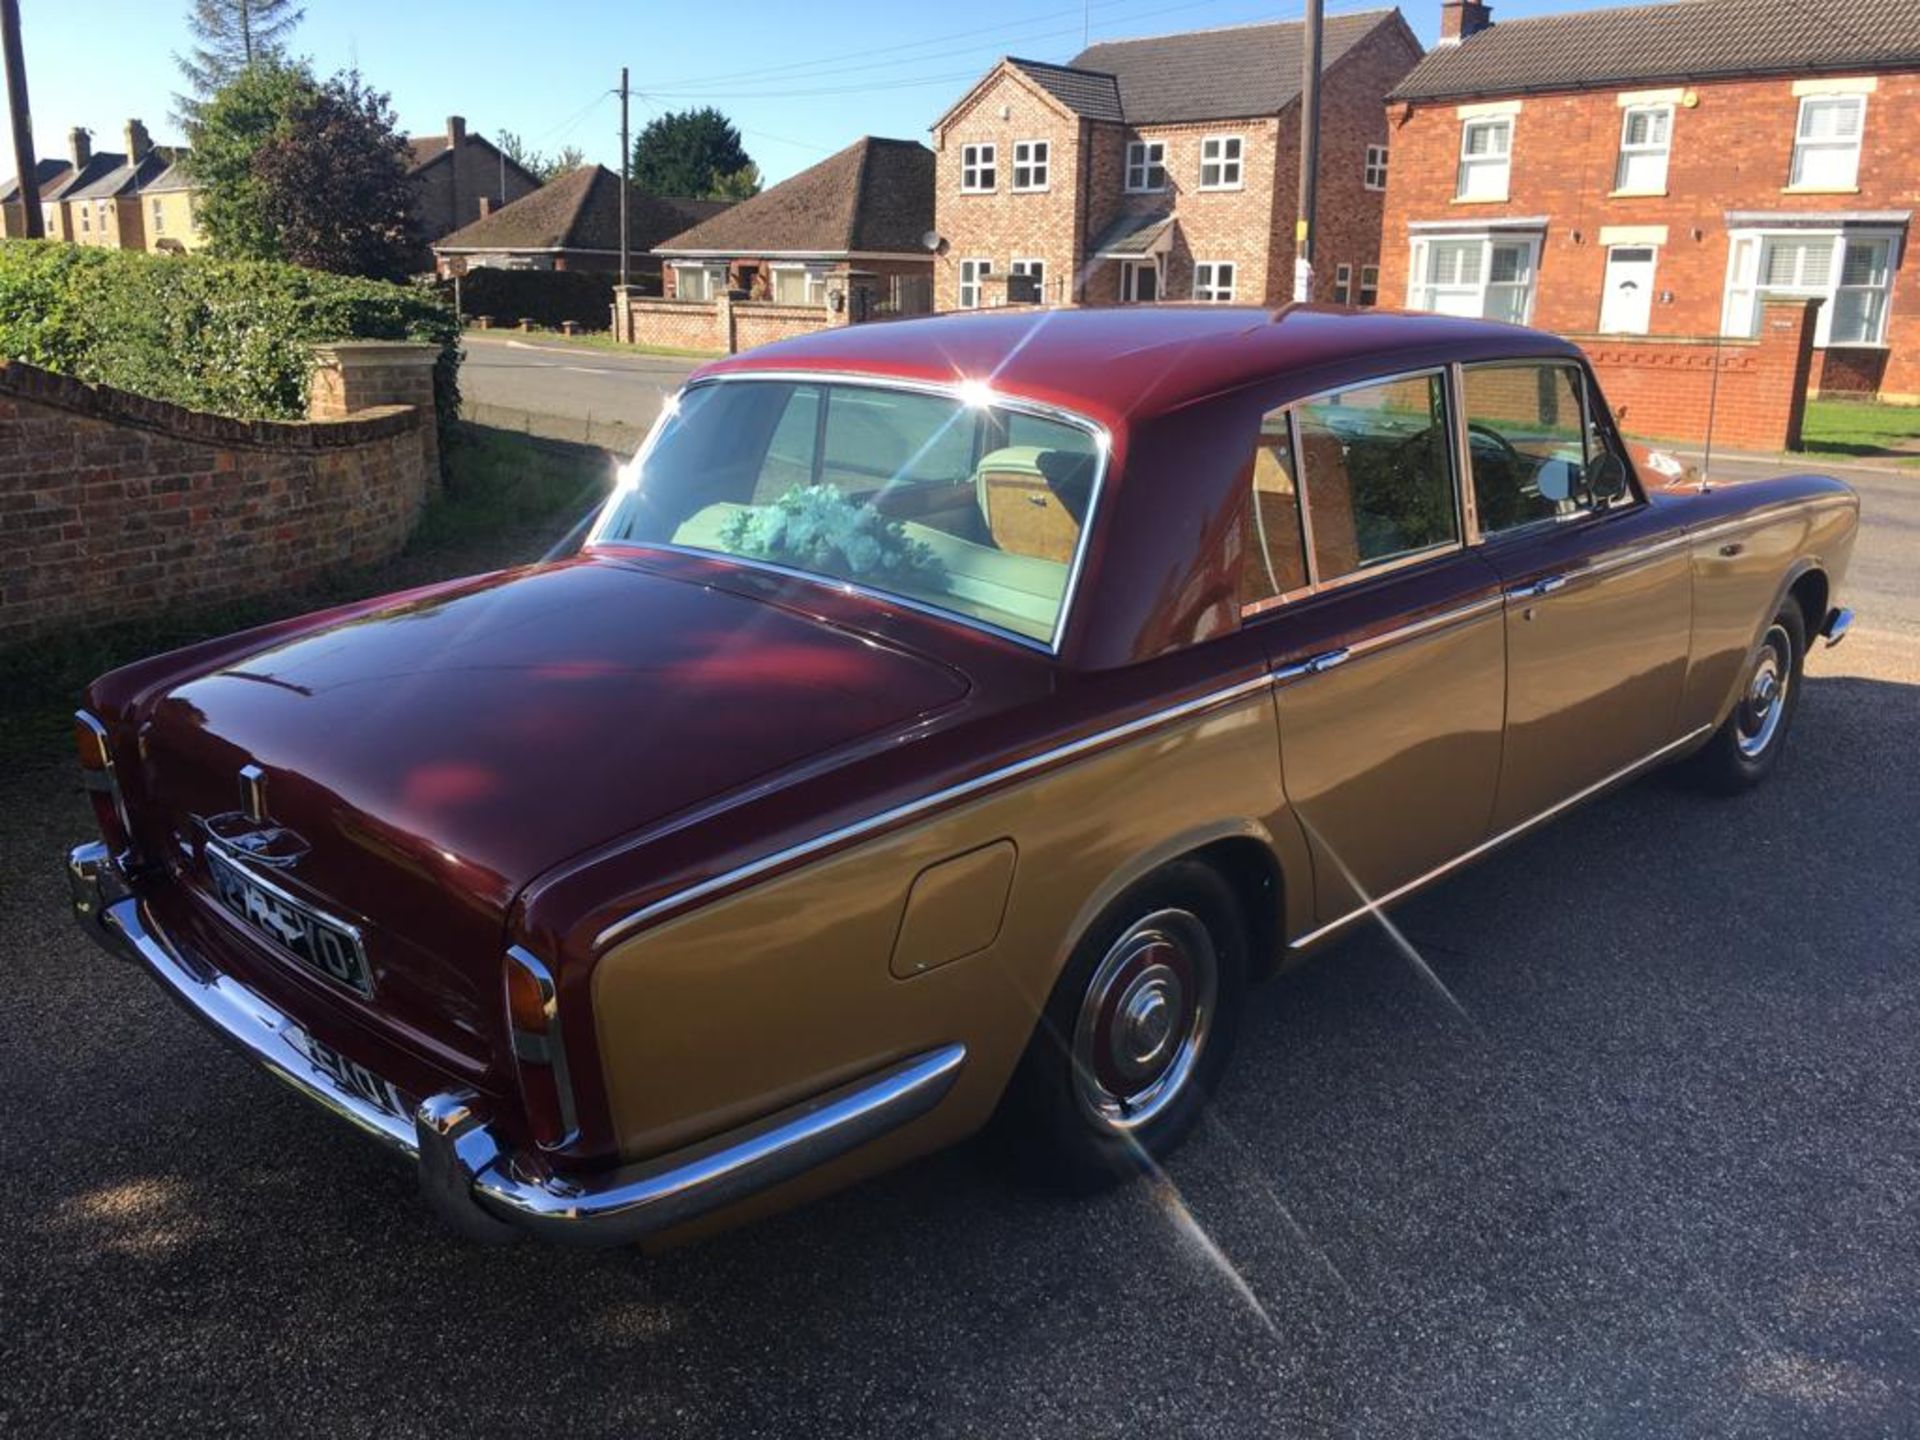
(1764, 514)
(1494, 842)
(886, 819)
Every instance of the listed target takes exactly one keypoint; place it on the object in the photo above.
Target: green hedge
(231, 336)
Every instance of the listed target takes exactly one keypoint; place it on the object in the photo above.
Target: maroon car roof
(1128, 364)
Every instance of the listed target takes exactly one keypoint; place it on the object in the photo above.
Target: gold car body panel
(784, 989)
(1594, 675)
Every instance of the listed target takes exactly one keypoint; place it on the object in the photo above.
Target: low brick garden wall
(1663, 387)
(721, 325)
(114, 506)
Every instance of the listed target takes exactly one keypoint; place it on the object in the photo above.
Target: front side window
(1374, 175)
(1529, 443)
(1376, 462)
(973, 509)
(1826, 143)
(972, 272)
(1851, 271)
(1486, 153)
(1646, 136)
(1484, 276)
(1220, 162)
(1031, 161)
(1146, 165)
(1213, 281)
(978, 172)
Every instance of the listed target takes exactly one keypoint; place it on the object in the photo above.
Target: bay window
(1852, 271)
(1485, 275)
(1826, 142)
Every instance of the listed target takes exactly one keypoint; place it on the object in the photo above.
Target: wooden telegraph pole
(626, 165)
(25, 166)
(1309, 154)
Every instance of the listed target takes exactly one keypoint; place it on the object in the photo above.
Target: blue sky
(799, 90)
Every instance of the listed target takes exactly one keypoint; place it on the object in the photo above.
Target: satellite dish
(933, 241)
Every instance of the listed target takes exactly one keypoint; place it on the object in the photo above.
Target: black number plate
(317, 941)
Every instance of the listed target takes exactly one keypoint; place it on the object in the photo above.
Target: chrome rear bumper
(469, 1176)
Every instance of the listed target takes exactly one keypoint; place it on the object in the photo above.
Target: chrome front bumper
(469, 1176)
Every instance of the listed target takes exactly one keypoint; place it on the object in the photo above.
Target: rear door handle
(1314, 664)
(1544, 586)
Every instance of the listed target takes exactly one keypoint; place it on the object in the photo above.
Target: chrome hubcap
(1144, 1019)
(1757, 720)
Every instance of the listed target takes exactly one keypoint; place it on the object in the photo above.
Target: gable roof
(123, 178)
(579, 211)
(46, 173)
(1091, 93)
(1223, 74)
(1681, 40)
(425, 150)
(874, 197)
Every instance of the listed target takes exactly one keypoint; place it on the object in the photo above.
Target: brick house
(849, 231)
(1666, 170)
(1167, 168)
(459, 176)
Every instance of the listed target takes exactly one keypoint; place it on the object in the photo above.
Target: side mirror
(1607, 478)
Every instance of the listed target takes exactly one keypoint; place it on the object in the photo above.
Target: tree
(546, 167)
(740, 185)
(315, 172)
(686, 153)
(233, 36)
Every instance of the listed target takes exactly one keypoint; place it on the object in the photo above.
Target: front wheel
(1135, 1035)
(1744, 750)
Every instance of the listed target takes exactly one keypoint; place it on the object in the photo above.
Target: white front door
(1626, 306)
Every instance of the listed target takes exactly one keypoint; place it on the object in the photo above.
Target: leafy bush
(231, 336)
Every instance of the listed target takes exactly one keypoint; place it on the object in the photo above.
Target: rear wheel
(1747, 746)
(1135, 1035)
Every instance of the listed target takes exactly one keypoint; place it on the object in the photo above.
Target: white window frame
(713, 280)
(979, 168)
(1471, 165)
(1207, 286)
(1746, 255)
(973, 271)
(1373, 174)
(1230, 167)
(1646, 151)
(816, 284)
(1029, 265)
(1368, 286)
(1804, 147)
(1130, 282)
(1422, 292)
(86, 217)
(1143, 158)
(159, 216)
(1343, 284)
(1036, 158)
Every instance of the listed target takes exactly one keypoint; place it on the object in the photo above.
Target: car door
(1598, 610)
(1384, 633)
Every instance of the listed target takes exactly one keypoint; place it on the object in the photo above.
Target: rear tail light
(101, 781)
(539, 1051)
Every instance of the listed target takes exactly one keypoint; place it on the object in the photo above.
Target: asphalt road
(1663, 1180)
(572, 382)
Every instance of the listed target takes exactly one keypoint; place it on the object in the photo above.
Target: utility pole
(626, 164)
(1309, 154)
(25, 166)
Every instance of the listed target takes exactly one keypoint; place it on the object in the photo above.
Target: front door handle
(1544, 586)
(1313, 665)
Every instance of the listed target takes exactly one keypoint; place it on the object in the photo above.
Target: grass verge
(592, 340)
(1862, 428)
(508, 500)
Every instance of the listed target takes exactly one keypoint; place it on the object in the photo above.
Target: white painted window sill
(1478, 200)
(1636, 194)
(1819, 189)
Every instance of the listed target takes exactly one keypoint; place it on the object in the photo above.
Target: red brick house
(1166, 168)
(1667, 169)
(459, 176)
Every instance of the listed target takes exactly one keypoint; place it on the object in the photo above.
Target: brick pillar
(724, 323)
(354, 375)
(623, 314)
(1786, 359)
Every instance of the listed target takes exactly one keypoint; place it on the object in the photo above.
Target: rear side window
(1376, 468)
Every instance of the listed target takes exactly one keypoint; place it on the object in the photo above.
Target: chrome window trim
(1492, 842)
(950, 390)
(911, 809)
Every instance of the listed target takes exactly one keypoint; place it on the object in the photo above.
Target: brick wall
(350, 376)
(1663, 388)
(675, 324)
(1732, 149)
(114, 506)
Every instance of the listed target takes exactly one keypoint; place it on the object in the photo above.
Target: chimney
(79, 146)
(486, 206)
(456, 132)
(139, 142)
(1463, 19)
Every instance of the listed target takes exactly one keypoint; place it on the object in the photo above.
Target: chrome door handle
(1313, 665)
(1538, 588)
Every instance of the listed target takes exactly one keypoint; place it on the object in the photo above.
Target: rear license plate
(348, 1075)
(321, 943)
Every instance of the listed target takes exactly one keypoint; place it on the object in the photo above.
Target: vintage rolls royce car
(943, 723)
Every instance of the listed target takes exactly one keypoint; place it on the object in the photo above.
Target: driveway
(1657, 1176)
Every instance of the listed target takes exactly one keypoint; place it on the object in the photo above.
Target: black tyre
(1744, 750)
(1135, 1036)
